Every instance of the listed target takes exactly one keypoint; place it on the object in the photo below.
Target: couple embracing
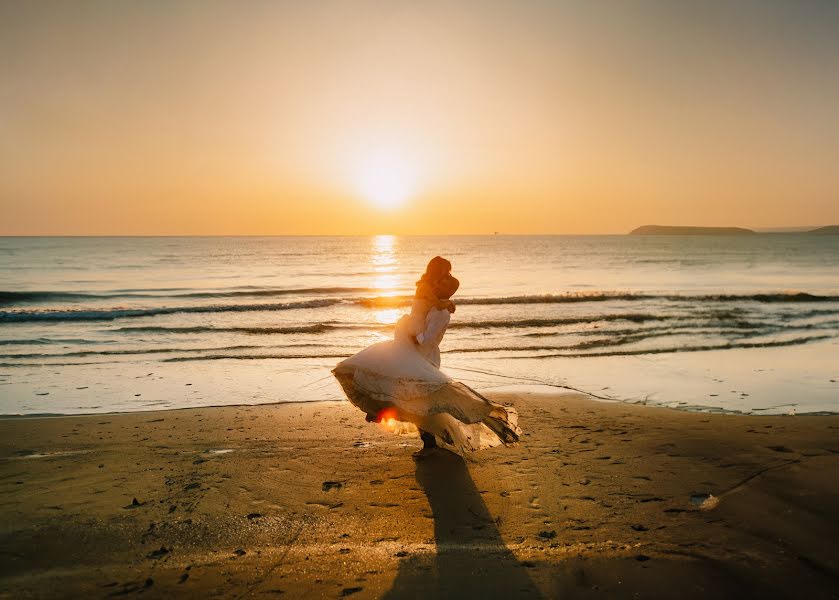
(400, 379)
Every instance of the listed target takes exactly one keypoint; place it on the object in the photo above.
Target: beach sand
(308, 500)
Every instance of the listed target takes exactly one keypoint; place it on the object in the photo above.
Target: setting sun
(386, 180)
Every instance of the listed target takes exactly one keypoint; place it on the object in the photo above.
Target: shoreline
(512, 390)
(308, 499)
(754, 381)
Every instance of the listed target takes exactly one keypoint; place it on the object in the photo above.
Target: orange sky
(521, 117)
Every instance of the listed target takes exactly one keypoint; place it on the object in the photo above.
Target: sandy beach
(309, 501)
(604, 233)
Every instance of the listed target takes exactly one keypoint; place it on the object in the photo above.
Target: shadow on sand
(472, 559)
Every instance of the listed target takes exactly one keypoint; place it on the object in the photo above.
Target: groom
(428, 342)
(437, 320)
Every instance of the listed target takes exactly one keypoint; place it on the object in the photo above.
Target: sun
(386, 180)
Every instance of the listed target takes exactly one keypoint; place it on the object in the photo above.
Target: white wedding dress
(401, 379)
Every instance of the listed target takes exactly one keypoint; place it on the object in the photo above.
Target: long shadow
(472, 559)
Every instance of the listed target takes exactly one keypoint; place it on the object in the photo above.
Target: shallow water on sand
(745, 323)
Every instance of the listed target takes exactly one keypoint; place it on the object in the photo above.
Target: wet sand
(309, 501)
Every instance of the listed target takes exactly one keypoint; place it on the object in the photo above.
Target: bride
(400, 380)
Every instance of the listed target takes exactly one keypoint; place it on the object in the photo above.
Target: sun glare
(386, 180)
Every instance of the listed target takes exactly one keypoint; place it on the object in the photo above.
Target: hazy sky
(241, 117)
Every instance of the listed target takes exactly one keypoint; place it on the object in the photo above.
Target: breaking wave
(127, 313)
(396, 301)
(9, 298)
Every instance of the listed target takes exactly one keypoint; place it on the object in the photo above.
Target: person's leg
(428, 439)
(429, 445)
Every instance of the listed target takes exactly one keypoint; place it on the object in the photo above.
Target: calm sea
(747, 323)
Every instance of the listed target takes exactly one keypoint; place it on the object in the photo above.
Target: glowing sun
(386, 180)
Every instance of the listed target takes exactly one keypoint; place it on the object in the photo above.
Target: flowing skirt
(392, 380)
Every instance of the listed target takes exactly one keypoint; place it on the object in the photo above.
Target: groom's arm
(435, 325)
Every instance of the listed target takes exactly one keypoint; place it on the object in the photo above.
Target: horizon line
(777, 229)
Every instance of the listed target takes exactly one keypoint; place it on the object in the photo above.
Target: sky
(437, 117)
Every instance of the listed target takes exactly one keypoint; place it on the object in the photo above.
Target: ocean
(746, 324)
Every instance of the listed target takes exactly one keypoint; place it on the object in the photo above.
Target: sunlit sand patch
(393, 548)
(49, 454)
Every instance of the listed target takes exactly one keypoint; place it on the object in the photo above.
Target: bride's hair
(438, 267)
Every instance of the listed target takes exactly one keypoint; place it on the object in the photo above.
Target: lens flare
(388, 419)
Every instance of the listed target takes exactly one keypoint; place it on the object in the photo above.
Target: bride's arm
(426, 292)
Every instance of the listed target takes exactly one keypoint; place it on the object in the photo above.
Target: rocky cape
(679, 230)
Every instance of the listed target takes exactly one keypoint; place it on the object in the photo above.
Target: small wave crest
(256, 357)
(316, 328)
(125, 313)
(525, 323)
(687, 348)
(141, 351)
(43, 342)
(580, 297)
(518, 352)
(23, 297)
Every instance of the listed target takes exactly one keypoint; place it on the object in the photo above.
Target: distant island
(829, 230)
(676, 230)
(667, 230)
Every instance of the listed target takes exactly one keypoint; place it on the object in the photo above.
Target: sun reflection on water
(386, 280)
(388, 316)
(384, 262)
(384, 249)
(385, 284)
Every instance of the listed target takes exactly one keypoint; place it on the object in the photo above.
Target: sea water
(727, 323)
